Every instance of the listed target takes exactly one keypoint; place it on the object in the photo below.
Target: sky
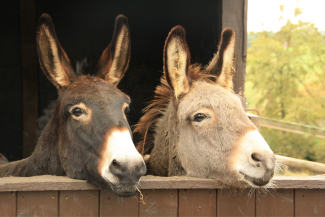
(265, 14)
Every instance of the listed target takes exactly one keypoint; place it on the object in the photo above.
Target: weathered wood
(8, 203)
(29, 75)
(301, 164)
(309, 202)
(113, 205)
(37, 203)
(159, 203)
(48, 183)
(234, 15)
(292, 127)
(79, 203)
(197, 202)
(275, 203)
(43, 183)
(230, 203)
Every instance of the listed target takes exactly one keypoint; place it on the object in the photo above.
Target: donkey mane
(145, 129)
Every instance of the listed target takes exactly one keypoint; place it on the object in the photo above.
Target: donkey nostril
(256, 157)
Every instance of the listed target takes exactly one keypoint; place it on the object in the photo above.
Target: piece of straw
(141, 197)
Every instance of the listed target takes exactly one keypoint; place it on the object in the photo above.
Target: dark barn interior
(84, 29)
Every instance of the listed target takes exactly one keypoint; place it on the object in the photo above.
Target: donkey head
(93, 135)
(215, 137)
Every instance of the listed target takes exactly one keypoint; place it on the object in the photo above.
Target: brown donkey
(197, 126)
(86, 135)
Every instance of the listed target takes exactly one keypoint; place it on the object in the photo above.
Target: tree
(286, 81)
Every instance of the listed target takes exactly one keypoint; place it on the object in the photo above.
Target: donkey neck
(163, 157)
(44, 159)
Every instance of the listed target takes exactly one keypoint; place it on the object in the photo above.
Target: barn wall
(11, 105)
(84, 29)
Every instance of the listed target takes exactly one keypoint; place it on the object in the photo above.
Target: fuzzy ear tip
(178, 31)
(227, 32)
(121, 19)
(45, 18)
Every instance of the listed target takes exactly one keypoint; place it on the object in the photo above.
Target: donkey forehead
(94, 90)
(208, 95)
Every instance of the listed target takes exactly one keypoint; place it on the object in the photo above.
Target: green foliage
(285, 81)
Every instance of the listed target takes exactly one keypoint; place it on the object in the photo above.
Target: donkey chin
(123, 187)
(253, 161)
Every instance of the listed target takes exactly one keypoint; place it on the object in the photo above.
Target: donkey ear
(222, 64)
(53, 59)
(116, 57)
(177, 61)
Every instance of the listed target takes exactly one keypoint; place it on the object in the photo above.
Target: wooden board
(113, 205)
(197, 202)
(8, 203)
(310, 202)
(235, 204)
(41, 183)
(275, 203)
(159, 203)
(79, 203)
(37, 203)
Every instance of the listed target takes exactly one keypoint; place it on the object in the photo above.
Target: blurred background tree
(285, 80)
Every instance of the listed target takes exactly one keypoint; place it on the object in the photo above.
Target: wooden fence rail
(172, 196)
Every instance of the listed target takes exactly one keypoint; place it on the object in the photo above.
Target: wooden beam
(59, 183)
(29, 75)
(292, 127)
(234, 15)
(301, 164)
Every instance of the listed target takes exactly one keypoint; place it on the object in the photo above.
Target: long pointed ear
(223, 63)
(116, 57)
(177, 61)
(53, 59)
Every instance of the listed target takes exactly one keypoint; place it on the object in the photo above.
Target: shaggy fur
(75, 132)
(197, 126)
(145, 129)
(3, 159)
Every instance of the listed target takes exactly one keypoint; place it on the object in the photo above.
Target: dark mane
(42, 121)
(145, 129)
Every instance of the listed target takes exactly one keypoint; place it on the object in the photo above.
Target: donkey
(197, 126)
(3, 159)
(87, 135)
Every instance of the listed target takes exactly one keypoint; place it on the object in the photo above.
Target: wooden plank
(292, 127)
(41, 183)
(37, 203)
(159, 203)
(301, 164)
(113, 205)
(234, 15)
(197, 202)
(29, 75)
(278, 203)
(310, 202)
(230, 203)
(79, 203)
(8, 203)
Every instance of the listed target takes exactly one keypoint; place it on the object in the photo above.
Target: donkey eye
(77, 111)
(199, 117)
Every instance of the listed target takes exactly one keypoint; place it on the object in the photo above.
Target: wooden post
(29, 75)
(234, 15)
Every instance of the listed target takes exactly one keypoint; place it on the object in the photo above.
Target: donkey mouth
(256, 181)
(124, 191)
